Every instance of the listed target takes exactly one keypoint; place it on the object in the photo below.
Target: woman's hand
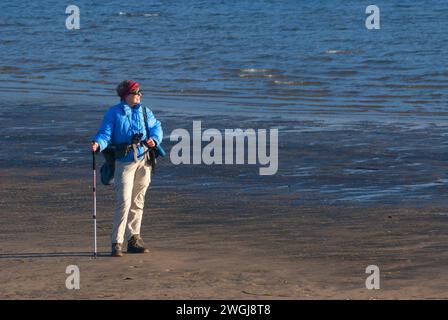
(150, 143)
(94, 146)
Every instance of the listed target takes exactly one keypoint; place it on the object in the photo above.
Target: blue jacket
(121, 122)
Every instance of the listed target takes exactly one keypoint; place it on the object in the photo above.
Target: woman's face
(134, 97)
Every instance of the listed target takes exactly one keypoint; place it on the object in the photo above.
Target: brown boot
(136, 245)
(117, 250)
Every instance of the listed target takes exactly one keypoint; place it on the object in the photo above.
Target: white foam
(253, 70)
(296, 83)
(121, 13)
(338, 52)
(289, 83)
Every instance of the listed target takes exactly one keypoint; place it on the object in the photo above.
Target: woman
(123, 124)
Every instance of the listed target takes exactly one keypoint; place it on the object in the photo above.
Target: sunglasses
(136, 92)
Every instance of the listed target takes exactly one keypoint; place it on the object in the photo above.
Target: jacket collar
(127, 109)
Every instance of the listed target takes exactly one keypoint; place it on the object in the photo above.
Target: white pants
(131, 182)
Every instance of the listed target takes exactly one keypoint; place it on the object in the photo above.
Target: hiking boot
(136, 245)
(117, 250)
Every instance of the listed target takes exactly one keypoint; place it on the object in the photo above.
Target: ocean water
(288, 55)
(309, 68)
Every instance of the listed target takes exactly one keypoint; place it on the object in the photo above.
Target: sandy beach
(224, 232)
(300, 253)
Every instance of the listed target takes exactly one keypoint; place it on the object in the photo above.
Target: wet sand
(345, 197)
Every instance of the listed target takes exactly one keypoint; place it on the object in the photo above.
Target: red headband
(132, 86)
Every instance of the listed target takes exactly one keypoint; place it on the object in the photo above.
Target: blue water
(285, 64)
(314, 55)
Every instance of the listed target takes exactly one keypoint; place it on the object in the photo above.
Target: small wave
(184, 80)
(92, 81)
(101, 58)
(414, 78)
(6, 42)
(130, 14)
(35, 77)
(15, 24)
(383, 78)
(439, 74)
(417, 86)
(253, 70)
(246, 76)
(80, 65)
(259, 73)
(29, 60)
(338, 52)
(298, 83)
(82, 80)
(9, 69)
(378, 61)
(319, 58)
(342, 72)
(414, 102)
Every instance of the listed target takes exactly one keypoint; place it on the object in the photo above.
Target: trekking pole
(94, 204)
